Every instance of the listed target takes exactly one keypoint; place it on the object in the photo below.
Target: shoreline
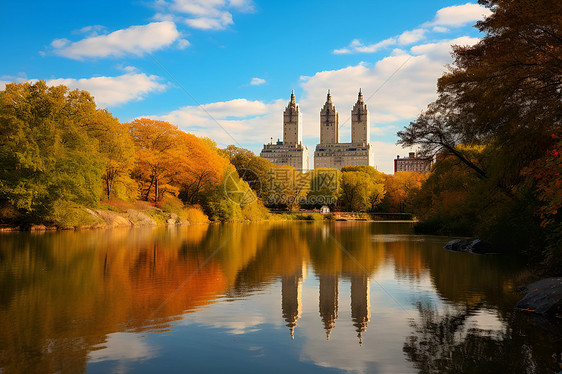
(133, 218)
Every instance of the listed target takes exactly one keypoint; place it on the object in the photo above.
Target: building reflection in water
(291, 304)
(360, 304)
(328, 301)
(291, 299)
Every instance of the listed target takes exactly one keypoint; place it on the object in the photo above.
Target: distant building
(325, 209)
(330, 153)
(290, 151)
(412, 163)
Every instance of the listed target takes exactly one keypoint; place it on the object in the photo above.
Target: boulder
(476, 246)
(542, 297)
(113, 219)
(139, 218)
(458, 245)
(173, 219)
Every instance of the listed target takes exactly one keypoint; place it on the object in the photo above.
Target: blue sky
(239, 60)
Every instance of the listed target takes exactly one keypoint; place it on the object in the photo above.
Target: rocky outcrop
(138, 218)
(467, 245)
(112, 219)
(543, 297)
(174, 219)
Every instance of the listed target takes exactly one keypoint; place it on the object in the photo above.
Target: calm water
(254, 298)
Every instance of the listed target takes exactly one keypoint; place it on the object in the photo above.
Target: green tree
(116, 145)
(256, 171)
(325, 187)
(46, 152)
(362, 188)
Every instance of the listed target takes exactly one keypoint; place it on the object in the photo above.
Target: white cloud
(114, 91)
(183, 43)
(440, 29)
(110, 91)
(59, 43)
(452, 16)
(238, 121)
(442, 49)
(407, 37)
(210, 23)
(412, 36)
(136, 40)
(257, 81)
(459, 15)
(206, 14)
(91, 30)
(356, 46)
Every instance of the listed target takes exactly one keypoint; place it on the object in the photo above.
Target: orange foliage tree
(170, 160)
(400, 188)
(203, 168)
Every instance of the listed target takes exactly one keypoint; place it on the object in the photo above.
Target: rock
(476, 246)
(112, 219)
(458, 245)
(173, 220)
(543, 297)
(37, 228)
(139, 218)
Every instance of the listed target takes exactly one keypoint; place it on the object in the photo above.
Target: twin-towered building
(291, 301)
(330, 152)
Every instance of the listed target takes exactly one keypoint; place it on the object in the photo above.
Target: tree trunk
(156, 190)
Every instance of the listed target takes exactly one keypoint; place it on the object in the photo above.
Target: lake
(263, 297)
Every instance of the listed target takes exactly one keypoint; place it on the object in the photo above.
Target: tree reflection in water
(454, 342)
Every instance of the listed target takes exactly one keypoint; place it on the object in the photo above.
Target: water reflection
(70, 301)
(328, 305)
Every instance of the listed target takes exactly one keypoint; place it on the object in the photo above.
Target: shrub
(195, 214)
(67, 215)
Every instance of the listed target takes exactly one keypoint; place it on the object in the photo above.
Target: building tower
(328, 301)
(292, 123)
(291, 299)
(329, 122)
(360, 304)
(360, 129)
(290, 151)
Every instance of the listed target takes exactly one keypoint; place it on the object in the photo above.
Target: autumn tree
(116, 145)
(400, 189)
(502, 94)
(47, 153)
(325, 187)
(157, 154)
(362, 188)
(202, 169)
(255, 170)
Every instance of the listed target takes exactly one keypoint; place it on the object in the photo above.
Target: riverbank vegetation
(496, 130)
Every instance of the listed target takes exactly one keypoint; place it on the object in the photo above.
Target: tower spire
(329, 97)
(293, 100)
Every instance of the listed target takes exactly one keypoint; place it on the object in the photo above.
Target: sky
(225, 68)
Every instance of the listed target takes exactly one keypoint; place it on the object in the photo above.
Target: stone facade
(329, 122)
(290, 151)
(412, 163)
(330, 153)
